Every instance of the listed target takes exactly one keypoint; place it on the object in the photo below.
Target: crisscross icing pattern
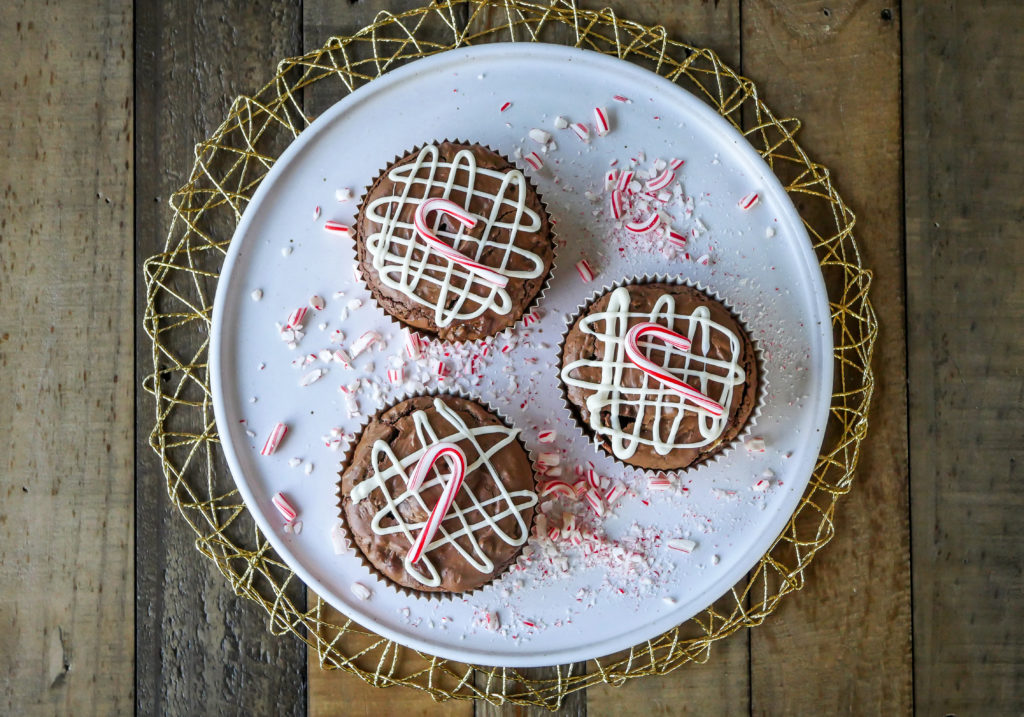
(404, 264)
(471, 520)
(712, 377)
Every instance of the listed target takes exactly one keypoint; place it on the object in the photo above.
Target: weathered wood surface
(964, 125)
(201, 649)
(66, 358)
(843, 643)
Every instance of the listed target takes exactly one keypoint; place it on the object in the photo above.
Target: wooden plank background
(918, 111)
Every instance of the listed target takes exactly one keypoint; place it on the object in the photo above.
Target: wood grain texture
(964, 129)
(842, 645)
(201, 649)
(65, 358)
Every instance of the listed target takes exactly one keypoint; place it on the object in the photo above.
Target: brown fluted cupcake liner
(721, 450)
(427, 335)
(350, 541)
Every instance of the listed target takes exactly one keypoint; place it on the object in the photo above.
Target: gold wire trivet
(181, 282)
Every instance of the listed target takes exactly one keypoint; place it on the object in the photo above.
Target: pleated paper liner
(719, 451)
(425, 333)
(427, 593)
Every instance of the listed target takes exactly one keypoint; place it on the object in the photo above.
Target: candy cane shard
(556, 487)
(601, 121)
(284, 507)
(584, 270)
(617, 204)
(661, 181)
(683, 545)
(676, 238)
(457, 461)
(547, 436)
(660, 374)
(749, 201)
(296, 318)
(533, 159)
(413, 344)
(676, 163)
(644, 226)
(581, 131)
(274, 439)
(624, 179)
(364, 342)
(460, 215)
(334, 227)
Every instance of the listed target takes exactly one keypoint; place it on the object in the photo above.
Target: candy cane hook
(456, 212)
(641, 361)
(457, 460)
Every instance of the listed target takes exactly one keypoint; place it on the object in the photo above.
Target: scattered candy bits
(274, 439)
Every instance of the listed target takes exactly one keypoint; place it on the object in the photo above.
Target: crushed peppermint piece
(584, 270)
(312, 377)
(769, 232)
(316, 212)
(683, 545)
(256, 294)
(761, 485)
(274, 439)
(601, 121)
(533, 159)
(333, 227)
(286, 251)
(284, 507)
(339, 356)
(504, 106)
(547, 436)
(292, 462)
(317, 302)
(308, 468)
(343, 194)
(668, 600)
(749, 201)
(364, 342)
(540, 136)
(622, 99)
(715, 560)
(361, 591)
(755, 444)
(581, 131)
(561, 122)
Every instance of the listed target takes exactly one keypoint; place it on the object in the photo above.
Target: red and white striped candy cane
(661, 181)
(641, 361)
(457, 460)
(446, 206)
(643, 226)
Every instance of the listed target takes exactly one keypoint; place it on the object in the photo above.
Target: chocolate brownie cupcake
(426, 291)
(638, 418)
(486, 526)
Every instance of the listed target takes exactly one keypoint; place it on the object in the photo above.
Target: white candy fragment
(338, 539)
(317, 302)
(343, 194)
(312, 377)
(361, 591)
(755, 444)
(256, 294)
(540, 136)
(683, 545)
(364, 342)
(561, 122)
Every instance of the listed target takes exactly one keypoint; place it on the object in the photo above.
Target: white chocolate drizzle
(402, 269)
(652, 398)
(470, 520)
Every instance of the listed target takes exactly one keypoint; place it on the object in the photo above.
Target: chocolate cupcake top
(488, 522)
(641, 419)
(426, 291)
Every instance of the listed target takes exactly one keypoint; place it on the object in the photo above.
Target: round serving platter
(760, 261)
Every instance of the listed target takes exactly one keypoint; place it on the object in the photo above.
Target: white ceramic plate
(773, 281)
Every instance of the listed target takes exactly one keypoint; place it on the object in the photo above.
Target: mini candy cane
(584, 270)
(336, 228)
(457, 460)
(546, 437)
(749, 201)
(284, 507)
(556, 487)
(364, 342)
(644, 226)
(617, 203)
(533, 159)
(601, 121)
(661, 181)
(671, 338)
(682, 545)
(460, 215)
(581, 131)
(296, 317)
(413, 344)
(274, 439)
(396, 375)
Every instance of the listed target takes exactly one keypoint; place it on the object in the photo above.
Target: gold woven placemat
(182, 279)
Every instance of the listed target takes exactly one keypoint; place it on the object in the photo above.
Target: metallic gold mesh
(182, 279)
